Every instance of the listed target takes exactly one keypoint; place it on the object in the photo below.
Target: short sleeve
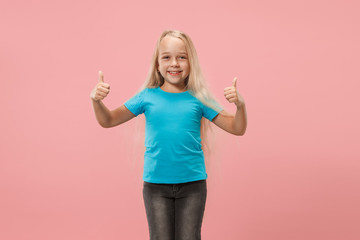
(136, 103)
(210, 113)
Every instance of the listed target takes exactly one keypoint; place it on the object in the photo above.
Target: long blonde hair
(194, 82)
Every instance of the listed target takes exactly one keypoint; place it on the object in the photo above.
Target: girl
(174, 99)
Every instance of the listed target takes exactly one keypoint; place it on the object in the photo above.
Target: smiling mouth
(175, 73)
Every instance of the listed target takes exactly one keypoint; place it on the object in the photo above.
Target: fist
(232, 95)
(101, 89)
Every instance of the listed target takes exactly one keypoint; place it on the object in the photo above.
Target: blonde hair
(194, 82)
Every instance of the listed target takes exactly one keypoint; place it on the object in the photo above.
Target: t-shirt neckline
(171, 92)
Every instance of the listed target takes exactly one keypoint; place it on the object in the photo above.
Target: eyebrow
(169, 52)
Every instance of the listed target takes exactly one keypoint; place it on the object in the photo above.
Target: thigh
(189, 210)
(160, 211)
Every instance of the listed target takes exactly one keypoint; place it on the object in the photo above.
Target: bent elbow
(105, 125)
(239, 133)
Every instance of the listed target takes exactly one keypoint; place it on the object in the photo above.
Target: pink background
(294, 175)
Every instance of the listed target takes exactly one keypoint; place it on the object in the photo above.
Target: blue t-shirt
(172, 135)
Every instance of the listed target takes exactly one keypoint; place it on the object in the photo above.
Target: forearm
(102, 113)
(240, 119)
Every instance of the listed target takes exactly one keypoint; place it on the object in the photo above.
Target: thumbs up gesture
(101, 89)
(232, 95)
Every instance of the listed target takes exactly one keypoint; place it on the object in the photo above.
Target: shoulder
(149, 93)
(150, 89)
(208, 104)
(142, 92)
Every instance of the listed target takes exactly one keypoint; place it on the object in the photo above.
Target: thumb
(101, 76)
(234, 82)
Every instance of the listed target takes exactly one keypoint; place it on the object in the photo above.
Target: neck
(173, 88)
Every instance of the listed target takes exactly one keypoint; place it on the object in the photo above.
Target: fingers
(234, 82)
(101, 81)
(233, 85)
(230, 93)
(101, 89)
(101, 76)
(101, 93)
(232, 100)
(229, 90)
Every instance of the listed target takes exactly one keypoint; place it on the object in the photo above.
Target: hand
(232, 95)
(101, 89)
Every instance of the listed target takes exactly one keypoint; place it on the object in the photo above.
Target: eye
(166, 57)
(183, 57)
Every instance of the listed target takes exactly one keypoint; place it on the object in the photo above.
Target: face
(173, 61)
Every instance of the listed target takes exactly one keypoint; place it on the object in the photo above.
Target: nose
(174, 62)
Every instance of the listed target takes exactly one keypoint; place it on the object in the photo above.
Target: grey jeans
(175, 211)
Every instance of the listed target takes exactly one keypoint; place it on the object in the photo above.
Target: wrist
(239, 104)
(94, 100)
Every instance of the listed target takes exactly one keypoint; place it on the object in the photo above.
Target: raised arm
(234, 124)
(104, 116)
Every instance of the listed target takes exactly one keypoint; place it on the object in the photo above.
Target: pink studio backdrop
(294, 175)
